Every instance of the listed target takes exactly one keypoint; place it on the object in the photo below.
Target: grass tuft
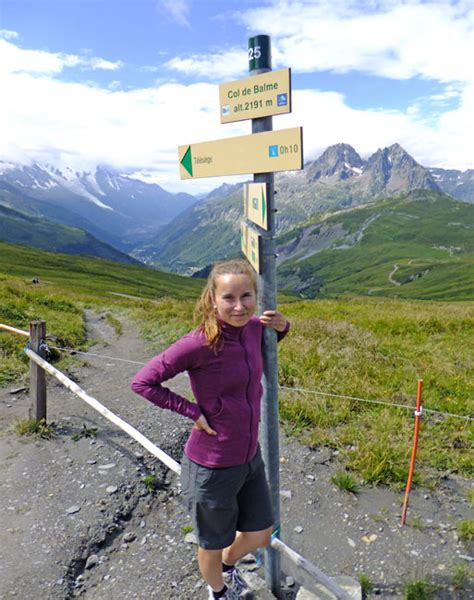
(418, 590)
(461, 577)
(151, 483)
(85, 432)
(186, 529)
(33, 427)
(366, 585)
(115, 323)
(345, 482)
(465, 530)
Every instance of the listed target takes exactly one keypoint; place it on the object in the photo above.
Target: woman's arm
(181, 356)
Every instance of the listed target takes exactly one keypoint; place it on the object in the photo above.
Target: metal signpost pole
(260, 62)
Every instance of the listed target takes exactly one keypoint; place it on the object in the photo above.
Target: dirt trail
(392, 273)
(66, 504)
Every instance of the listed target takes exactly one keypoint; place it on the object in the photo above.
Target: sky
(124, 82)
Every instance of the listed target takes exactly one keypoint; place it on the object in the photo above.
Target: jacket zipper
(247, 396)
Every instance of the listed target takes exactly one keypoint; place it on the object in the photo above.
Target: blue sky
(124, 82)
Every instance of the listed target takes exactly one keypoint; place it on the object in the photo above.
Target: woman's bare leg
(245, 542)
(210, 565)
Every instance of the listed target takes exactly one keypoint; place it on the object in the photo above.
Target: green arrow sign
(187, 161)
(265, 152)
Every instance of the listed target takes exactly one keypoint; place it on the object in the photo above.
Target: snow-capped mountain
(114, 207)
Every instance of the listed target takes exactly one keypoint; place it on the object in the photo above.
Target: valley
(343, 222)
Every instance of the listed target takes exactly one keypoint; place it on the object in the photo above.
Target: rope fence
(73, 351)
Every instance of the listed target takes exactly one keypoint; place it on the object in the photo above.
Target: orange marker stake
(418, 412)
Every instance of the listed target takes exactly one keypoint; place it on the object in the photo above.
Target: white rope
(392, 404)
(72, 352)
(313, 570)
(14, 330)
(95, 404)
(294, 389)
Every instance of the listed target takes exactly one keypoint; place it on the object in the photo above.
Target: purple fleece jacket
(227, 388)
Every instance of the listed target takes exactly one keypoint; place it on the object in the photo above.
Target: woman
(222, 477)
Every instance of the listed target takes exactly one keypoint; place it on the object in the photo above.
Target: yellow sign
(251, 245)
(255, 203)
(257, 96)
(265, 152)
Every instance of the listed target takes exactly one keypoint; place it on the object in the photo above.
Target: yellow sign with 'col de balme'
(255, 97)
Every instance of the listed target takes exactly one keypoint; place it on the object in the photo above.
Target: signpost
(263, 153)
(259, 62)
(255, 204)
(254, 97)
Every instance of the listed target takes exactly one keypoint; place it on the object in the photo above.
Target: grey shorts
(223, 501)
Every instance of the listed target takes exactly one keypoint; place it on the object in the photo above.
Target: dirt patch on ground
(79, 520)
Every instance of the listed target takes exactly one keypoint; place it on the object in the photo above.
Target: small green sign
(259, 52)
(255, 203)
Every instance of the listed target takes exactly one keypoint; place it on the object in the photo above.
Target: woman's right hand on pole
(203, 425)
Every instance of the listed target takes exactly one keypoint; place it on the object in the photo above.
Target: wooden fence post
(37, 375)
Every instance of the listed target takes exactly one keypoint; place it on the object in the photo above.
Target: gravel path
(77, 518)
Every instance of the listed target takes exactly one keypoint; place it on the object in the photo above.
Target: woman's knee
(259, 539)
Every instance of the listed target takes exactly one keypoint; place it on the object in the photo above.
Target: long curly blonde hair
(204, 312)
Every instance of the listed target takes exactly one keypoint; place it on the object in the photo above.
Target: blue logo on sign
(226, 110)
(282, 99)
(272, 151)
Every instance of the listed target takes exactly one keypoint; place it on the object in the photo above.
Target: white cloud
(178, 10)
(399, 40)
(216, 66)
(7, 34)
(102, 64)
(14, 59)
(82, 124)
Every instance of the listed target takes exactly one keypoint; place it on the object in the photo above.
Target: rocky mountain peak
(339, 160)
(392, 170)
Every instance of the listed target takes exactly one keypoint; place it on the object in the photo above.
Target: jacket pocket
(217, 409)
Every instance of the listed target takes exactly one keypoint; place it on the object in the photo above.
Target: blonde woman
(222, 479)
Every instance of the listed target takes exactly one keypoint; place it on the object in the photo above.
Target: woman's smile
(235, 299)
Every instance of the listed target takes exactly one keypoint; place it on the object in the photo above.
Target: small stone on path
(190, 538)
(298, 529)
(111, 489)
(73, 509)
(92, 561)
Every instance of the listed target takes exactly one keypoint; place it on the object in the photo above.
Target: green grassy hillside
(19, 228)
(90, 276)
(417, 246)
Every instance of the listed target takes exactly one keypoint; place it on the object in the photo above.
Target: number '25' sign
(259, 52)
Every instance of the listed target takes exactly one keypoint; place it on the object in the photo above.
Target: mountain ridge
(338, 179)
(19, 228)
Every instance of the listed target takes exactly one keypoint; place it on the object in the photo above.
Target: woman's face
(235, 299)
